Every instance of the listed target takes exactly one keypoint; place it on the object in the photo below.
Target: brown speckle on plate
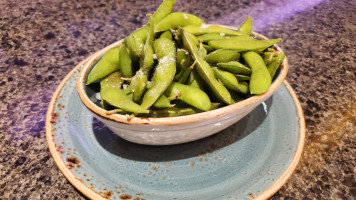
(125, 196)
(107, 194)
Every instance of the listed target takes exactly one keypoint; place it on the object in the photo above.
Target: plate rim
(84, 189)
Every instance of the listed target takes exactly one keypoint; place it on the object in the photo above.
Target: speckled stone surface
(42, 40)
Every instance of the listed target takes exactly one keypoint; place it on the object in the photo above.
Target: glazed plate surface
(251, 159)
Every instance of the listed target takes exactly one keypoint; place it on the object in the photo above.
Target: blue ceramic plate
(251, 159)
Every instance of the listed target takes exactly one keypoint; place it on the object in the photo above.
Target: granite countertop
(42, 40)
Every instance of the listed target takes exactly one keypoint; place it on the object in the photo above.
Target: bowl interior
(94, 88)
(88, 95)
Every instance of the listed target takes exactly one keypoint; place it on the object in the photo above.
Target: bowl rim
(179, 119)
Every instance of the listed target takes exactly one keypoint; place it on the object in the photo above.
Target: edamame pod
(208, 48)
(228, 79)
(272, 68)
(190, 95)
(222, 55)
(164, 71)
(179, 111)
(177, 19)
(205, 71)
(183, 59)
(138, 85)
(139, 81)
(111, 93)
(242, 45)
(210, 36)
(235, 67)
(163, 10)
(162, 102)
(126, 67)
(196, 81)
(166, 34)
(241, 37)
(231, 82)
(135, 41)
(246, 27)
(186, 74)
(204, 28)
(242, 77)
(202, 51)
(147, 60)
(260, 77)
(106, 65)
(243, 87)
(236, 97)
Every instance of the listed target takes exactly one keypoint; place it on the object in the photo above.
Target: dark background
(42, 40)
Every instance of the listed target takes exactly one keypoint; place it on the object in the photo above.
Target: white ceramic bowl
(173, 130)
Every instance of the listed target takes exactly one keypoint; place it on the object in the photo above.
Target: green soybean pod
(106, 65)
(164, 71)
(241, 37)
(246, 26)
(163, 10)
(228, 79)
(273, 66)
(236, 97)
(138, 85)
(147, 60)
(242, 45)
(186, 74)
(204, 29)
(139, 81)
(112, 94)
(126, 67)
(243, 87)
(260, 77)
(202, 51)
(196, 81)
(234, 67)
(176, 111)
(222, 55)
(208, 48)
(190, 95)
(166, 34)
(162, 102)
(242, 77)
(205, 71)
(183, 59)
(136, 40)
(210, 36)
(177, 19)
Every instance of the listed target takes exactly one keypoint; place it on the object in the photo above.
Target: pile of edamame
(177, 65)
